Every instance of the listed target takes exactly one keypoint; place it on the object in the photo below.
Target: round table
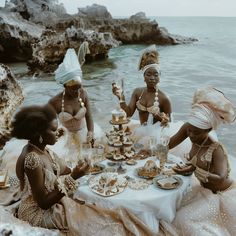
(150, 205)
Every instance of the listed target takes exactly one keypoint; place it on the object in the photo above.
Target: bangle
(66, 184)
(122, 98)
(90, 134)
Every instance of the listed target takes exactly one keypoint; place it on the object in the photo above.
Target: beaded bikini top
(200, 173)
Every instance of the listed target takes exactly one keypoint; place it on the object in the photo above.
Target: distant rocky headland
(40, 31)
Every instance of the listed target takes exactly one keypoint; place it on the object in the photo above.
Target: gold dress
(203, 212)
(71, 217)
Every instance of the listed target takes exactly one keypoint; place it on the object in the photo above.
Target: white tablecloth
(150, 205)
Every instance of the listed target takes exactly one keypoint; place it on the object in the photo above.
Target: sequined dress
(69, 216)
(203, 212)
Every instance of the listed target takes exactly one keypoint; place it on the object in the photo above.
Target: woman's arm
(35, 174)
(55, 102)
(88, 115)
(36, 177)
(179, 137)
(219, 166)
(130, 109)
(165, 104)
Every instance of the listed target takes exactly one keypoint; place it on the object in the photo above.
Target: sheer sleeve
(32, 161)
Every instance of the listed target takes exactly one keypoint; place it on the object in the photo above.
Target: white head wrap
(211, 108)
(69, 69)
(203, 117)
(155, 66)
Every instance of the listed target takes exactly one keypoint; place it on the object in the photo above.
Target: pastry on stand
(119, 139)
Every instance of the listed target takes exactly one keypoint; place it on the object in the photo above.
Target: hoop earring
(40, 139)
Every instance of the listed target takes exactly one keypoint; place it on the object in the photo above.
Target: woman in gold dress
(209, 208)
(47, 184)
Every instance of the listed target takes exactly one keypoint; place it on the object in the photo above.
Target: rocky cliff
(40, 31)
(11, 97)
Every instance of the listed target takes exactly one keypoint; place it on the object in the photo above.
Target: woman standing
(73, 108)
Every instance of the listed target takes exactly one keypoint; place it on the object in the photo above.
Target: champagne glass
(152, 143)
(162, 153)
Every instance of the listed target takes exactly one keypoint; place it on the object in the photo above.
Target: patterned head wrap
(211, 108)
(149, 59)
(69, 70)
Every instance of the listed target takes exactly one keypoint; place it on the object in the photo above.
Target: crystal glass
(162, 154)
(152, 143)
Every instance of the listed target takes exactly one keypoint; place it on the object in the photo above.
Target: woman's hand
(116, 90)
(80, 170)
(164, 119)
(183, 170)
(60, 132)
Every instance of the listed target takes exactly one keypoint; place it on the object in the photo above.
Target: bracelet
(122, 98)
(66, 184)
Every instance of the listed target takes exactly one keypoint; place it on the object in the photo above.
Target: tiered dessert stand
(119, 139)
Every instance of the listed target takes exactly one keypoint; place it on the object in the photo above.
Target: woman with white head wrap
(202, 211)
(73, 107)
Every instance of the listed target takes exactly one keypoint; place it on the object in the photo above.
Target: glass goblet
(152, 143)
(162, 154)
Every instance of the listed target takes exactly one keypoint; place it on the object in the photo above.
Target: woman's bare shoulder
(55, 102)
(163, 95)
(139, 90)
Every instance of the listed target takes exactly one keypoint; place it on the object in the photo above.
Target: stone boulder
(40, 32)
(94, 11)
(50, 49)
(16, 36)
(46, 12)
(140, 16)
(11, 97)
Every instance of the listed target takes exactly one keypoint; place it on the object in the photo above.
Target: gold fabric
(75, 219)
(204, 213)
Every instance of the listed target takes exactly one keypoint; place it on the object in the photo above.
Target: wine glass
(162, 153)
(152, 143)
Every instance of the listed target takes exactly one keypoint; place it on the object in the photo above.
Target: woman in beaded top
(153, 105)
(39, 170)
(203, 211)
(148, 100)
(73, 108)
(47, 184)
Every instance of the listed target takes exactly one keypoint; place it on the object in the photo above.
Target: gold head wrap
(149, 59)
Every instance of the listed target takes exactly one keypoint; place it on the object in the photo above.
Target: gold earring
(40, 139)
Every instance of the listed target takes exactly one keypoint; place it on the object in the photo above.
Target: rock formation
(40, 32)
(11, 97)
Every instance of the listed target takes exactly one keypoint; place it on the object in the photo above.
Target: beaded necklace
(156, 100)
(155, 109)
(62, 103)
(200, 146)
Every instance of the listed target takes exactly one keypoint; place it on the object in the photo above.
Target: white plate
(99, 168)
(138, 184)
(5, 186)
(106, 191)
(167, 182)
(146, 175)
